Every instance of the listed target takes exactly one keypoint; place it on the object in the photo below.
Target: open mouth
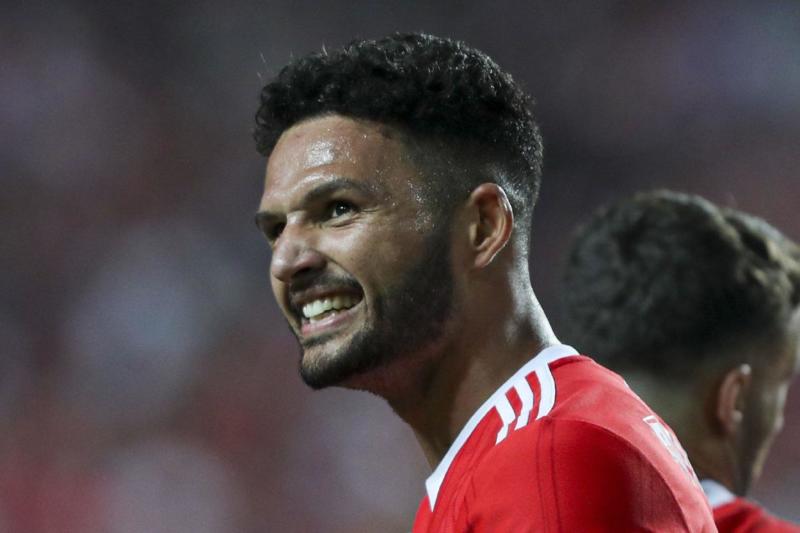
(321, 308)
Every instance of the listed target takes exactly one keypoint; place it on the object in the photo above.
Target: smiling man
(398, 198)
(356, 299)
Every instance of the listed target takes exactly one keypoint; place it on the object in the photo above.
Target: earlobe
(491, 227)
(731, 398)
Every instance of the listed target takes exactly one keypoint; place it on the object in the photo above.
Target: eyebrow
(322, 190)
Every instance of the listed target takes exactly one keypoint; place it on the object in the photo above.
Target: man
(697, 307)
(397, 201)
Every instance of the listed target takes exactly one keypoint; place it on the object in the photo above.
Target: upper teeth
(317, 307)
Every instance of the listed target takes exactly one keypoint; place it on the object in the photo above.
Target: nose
(293, 255)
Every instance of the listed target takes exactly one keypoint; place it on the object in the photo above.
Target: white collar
(551, 353)
(716, 493)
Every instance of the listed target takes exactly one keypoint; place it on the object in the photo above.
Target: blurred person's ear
(731, 398)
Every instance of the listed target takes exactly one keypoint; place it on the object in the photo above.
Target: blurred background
(147, 380)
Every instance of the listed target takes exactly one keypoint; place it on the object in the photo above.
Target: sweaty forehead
(336, 144)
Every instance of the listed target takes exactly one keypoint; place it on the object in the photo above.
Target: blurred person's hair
(666, 282)
(463, 119)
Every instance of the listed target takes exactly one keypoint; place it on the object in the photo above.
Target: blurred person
(398, 198)
(697, 307)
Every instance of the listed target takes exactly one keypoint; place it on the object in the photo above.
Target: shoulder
(572, 473)
(601, 399)
(587, 406)
(598, 455)
(560, 451)
(744, 516)
(594, 382)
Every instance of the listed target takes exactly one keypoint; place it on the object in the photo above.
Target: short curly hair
(664, 282)
(431, 88)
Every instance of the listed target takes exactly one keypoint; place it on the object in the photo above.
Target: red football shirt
(739, 515)
(564, 445)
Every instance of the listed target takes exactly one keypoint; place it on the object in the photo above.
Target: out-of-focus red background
(148, 382)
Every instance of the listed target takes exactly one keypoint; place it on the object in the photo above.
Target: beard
(407, 317)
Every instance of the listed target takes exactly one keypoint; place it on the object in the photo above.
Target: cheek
(379, 248)
(778, 405)
(771, 412)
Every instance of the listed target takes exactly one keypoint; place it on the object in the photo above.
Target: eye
(340, 208)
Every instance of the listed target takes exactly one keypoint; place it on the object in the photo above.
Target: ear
(731, 398)
(491, 223)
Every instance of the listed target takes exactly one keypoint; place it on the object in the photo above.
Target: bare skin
(341, 201)
(741, 409)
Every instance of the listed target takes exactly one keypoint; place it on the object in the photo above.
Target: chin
(337, 372)
(321, 369)
(335, 363)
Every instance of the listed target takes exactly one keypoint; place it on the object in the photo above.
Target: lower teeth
(326, 314)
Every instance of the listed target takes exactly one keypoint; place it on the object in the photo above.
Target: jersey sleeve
(569, 475)
(743, 516)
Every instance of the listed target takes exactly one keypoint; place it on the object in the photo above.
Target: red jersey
(739, 515)
(564, 445)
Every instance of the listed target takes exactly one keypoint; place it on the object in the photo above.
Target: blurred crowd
(147, 380)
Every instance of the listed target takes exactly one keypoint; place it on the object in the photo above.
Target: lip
(329, 323)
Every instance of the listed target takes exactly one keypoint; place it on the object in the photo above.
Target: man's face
(359, 268)
(763, 416)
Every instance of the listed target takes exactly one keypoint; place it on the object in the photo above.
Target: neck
(709, 464)
(684, 406)
(720, 459)
(487, 348)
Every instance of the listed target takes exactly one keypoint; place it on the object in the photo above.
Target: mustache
(323, 280)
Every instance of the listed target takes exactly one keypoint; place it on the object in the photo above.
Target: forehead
(321, 148)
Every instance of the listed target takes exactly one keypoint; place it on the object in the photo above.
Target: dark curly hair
(432, 89)
(662, 281)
